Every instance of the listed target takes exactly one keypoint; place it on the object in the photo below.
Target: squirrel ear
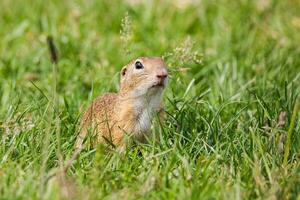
(123, 71)
(123, 76)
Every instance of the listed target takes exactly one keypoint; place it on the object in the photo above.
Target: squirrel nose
(162, 76)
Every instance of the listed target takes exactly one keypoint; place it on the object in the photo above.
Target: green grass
(225, 132)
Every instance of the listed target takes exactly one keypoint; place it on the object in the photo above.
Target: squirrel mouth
(158, 85)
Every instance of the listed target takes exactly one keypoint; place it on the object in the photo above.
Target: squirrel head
(143, 76)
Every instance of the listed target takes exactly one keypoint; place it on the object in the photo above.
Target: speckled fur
(131, 110)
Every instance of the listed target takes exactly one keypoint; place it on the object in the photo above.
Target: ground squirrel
(131, 110)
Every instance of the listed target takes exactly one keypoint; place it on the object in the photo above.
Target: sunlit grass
(234, 81)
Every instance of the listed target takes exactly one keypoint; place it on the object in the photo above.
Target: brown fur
(113, 115)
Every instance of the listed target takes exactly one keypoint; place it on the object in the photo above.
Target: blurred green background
(235, 70)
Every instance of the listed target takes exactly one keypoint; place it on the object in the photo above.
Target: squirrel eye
(138, 65)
